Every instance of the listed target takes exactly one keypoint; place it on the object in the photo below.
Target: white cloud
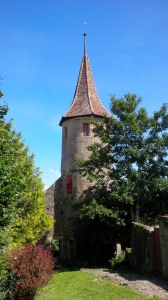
(50, 179)
(56, 172)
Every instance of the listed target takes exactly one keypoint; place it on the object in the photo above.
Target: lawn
(79, 285)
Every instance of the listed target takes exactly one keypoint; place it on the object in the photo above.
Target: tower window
(85, 129)
(65, 132)
(69, 184)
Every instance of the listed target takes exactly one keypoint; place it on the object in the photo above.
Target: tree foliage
(128, 169)
(22, 202)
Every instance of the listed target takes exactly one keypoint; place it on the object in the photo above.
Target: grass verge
(79, 285)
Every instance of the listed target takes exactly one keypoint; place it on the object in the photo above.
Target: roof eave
(63, 119)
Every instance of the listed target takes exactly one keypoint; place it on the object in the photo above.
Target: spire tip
(84, 37)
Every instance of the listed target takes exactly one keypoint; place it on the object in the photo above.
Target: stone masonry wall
(74, 145)
(142, 256)
(163, 225)
(49, 196)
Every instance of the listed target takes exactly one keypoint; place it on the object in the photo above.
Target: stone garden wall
(163, 226)
(142, 256)
(150, 247)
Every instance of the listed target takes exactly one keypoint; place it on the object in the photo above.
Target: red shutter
(85, 129)
(69, 184)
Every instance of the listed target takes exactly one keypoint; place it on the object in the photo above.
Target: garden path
(149, 285)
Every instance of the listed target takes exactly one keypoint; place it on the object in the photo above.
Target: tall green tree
(128, 169)
(22, 201)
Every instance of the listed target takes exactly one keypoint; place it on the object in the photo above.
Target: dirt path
(143, 284)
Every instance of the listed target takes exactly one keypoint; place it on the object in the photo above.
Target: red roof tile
(86, 100)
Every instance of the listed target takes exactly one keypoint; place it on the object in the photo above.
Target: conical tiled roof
(86, 101)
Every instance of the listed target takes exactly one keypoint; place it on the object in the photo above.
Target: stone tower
(77, 135)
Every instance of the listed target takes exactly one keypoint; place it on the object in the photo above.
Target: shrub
(30, 268)
(3, 263)
(55, 247)
(119, 259)
(3, 275)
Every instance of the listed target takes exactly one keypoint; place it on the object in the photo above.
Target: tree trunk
(132, 214)
(137, 210)
(137, 200)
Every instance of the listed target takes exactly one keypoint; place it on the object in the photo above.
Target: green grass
(79, 285)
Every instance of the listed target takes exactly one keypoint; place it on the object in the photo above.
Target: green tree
(129, 167)
(22, 202)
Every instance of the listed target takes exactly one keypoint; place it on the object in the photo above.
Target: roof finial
(84, 37)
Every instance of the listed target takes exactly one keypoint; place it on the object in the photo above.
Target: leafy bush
(22, 196)
(30, 268)
(119, 259)
(55, 247)
(3, 262)
(3, 275)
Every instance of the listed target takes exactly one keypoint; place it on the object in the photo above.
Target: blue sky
(41, 48)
